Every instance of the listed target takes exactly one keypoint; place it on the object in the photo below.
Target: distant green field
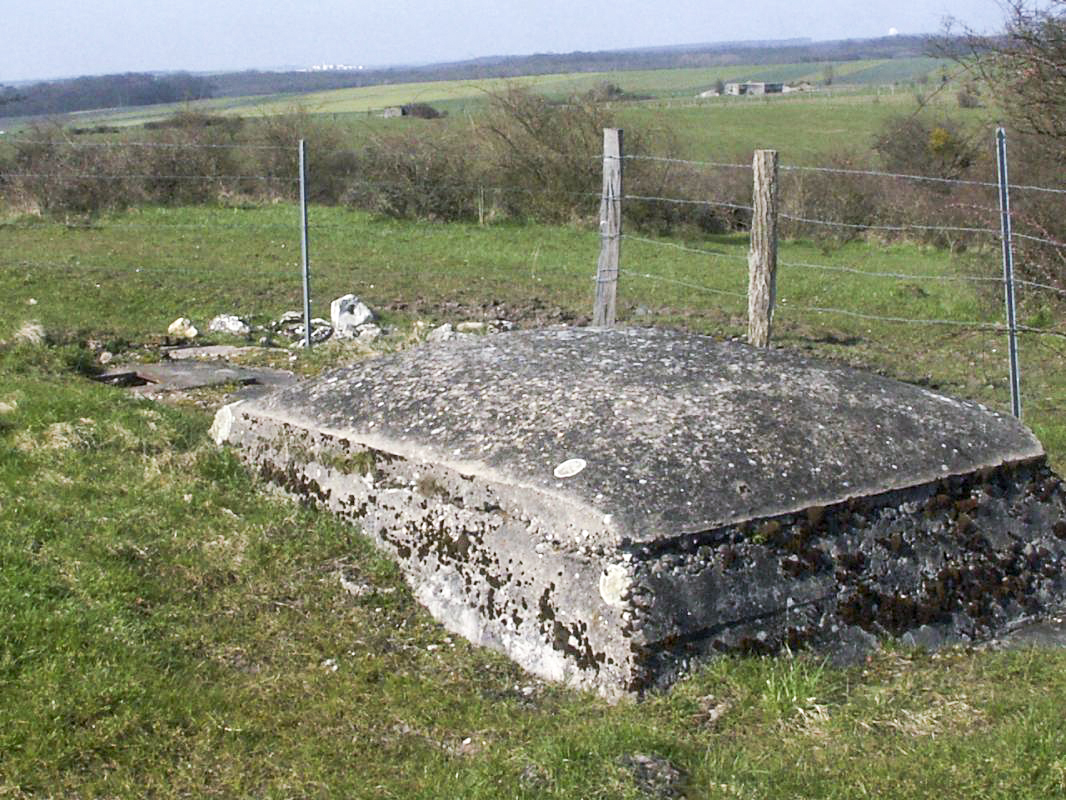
(457, 95)
(805, 129)
(657, 83)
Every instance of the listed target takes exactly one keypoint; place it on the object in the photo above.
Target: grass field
(169, 627)
(173, 629)
(811, 129)
(469, 95)
(137, 271)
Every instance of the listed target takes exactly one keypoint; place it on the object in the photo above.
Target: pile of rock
(291, 326)
(462, 330)
(349, 319)
(353, 319)
(229, 323)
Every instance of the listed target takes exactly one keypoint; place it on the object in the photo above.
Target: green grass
(804, 129)
(171, 628)
(135, 272)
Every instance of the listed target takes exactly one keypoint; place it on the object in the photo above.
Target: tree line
(102, 91)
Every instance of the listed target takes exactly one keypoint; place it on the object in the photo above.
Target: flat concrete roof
(677, 432)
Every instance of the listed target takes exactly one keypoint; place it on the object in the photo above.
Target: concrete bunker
(609, 507)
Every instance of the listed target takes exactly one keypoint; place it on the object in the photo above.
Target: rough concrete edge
(225, 417)
(447, 608)
(452, 615)
(1035, 455)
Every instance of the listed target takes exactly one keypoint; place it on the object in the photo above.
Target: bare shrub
(412, 176)
(422, 111)
(194, 161)
(968, 96)
(50, 173)
(1038, 161)
(702, 199)
(185, 165)
(551, 149)
(846, 203)
(920, 146)
(275, 157)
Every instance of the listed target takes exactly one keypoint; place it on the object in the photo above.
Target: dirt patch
(534, 313)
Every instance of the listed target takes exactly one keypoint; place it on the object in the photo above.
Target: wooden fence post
(762, 257)
(603, 311)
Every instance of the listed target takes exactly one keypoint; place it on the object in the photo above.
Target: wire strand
(989, 326)
(81, 176)
(685, 284)
(850, 270)
(666, 160)
(897, 228)
(178, 145)
(927, 178)
(680, 201)
(898, 275)
(686, 249)
(1039, 239)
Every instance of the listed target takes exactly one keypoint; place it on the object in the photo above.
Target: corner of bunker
(558, 586)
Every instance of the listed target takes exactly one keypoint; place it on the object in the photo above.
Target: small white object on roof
(570, 468)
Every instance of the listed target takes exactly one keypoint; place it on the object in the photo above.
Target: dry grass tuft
(31, 333)
(938, 716)
(58, 436)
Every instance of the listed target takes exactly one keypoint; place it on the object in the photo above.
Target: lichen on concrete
(608, 507)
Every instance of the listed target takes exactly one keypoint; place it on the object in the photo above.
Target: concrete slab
(167, 376)
(609, 506)
(216, 351)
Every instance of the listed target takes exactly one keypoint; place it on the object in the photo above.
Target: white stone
(441, 334)
(229, 323)
(369, 332)
(288, 319)
(223, 422)
(470, 327)
(347, 314)
(320, 331)
(183, 328)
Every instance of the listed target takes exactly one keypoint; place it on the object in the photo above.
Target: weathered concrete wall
(731, 499)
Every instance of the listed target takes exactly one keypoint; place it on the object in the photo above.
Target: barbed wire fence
(762, 261)
(246, 227)
(158, 244)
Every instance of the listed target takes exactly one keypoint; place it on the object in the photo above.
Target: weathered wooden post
(762, 257)
(603, 311)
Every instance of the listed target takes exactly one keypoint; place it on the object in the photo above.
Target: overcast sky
(55, 38)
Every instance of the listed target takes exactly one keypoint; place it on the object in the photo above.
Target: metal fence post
(303, 244)
(762, 257)
(1008, 273)
(603, 312)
